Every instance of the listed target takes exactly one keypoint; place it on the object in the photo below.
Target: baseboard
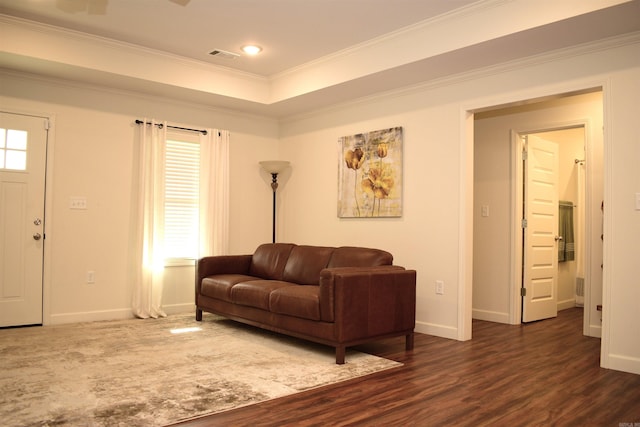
(595, 331)
(569, 303)
(624, 363)
(90, 316)
(437, 330)
(180, 308)
(490, 316)
(118, 314)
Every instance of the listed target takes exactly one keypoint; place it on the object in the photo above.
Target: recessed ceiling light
(251, 49)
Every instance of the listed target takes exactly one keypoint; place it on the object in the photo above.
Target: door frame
(466, 190)
(517, 195)
(48, 205)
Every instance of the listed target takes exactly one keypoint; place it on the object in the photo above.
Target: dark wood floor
(539, 374)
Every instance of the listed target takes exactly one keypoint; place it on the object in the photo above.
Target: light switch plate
(77, 202)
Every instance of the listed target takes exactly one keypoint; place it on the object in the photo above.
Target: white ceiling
(292, 32)
(316, 52)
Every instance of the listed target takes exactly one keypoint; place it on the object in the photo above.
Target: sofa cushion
(299, 301)
(305, 263)
(255, 293)
(348, 256)
(219, 286)
(269, 259)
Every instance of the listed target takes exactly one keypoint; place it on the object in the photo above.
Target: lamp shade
(274, 166)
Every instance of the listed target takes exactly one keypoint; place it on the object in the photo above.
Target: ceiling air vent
(219, 53)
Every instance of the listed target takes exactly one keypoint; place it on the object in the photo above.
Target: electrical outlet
(439, 287)
(91, 277)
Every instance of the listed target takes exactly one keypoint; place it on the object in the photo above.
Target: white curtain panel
(214, 193)
(149, 246)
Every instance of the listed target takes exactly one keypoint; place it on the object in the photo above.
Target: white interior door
(23, 152)
(540, 264)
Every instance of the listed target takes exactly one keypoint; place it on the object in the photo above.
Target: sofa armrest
(368, 302)
(222, 264)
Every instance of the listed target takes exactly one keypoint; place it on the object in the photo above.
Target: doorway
(23, 155)
(497, 206)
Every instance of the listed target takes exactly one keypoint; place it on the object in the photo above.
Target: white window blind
(182, 169)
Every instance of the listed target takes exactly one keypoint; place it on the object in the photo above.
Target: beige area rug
(142, 373)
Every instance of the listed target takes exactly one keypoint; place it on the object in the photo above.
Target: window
(182, 182)
(13, 149)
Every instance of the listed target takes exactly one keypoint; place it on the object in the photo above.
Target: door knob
(37, 236)
(37, 221)
(558, 238)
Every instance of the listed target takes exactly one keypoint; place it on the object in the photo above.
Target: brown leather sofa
(340, 297)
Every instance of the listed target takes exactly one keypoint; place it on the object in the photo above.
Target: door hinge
(524, 222)
(47, 124)
(523, 292)
(525, 155)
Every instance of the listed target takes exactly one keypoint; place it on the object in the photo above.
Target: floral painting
(370, 174)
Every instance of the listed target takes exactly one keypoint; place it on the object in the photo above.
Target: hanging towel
(566, 246)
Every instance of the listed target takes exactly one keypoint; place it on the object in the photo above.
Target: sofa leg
(340, 351)
(409, 341)
(198, 314)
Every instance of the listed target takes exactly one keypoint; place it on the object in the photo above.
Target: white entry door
(23, 153)
(540, 264)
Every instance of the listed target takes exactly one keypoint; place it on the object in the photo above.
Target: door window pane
(17, 139)
(16, 160)
(13, 149)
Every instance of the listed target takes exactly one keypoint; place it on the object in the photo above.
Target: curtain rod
(160, 125)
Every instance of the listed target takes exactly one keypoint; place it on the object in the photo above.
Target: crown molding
(459, 29)
(497, 69)
(154, 98)
(380, 66)
(29, 39)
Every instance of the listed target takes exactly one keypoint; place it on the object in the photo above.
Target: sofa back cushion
(348, 256)
(269, 259)
(305, 263)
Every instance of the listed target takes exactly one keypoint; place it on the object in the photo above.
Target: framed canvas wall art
(370, 174)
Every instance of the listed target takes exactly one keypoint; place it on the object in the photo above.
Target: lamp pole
(274, 167)
(274, 187)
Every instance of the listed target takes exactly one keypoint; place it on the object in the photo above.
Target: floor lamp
(274, 167)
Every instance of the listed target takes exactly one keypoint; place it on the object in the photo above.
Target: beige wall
(426, 236)
(621, 300)
(434, 232)
(92, 157)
